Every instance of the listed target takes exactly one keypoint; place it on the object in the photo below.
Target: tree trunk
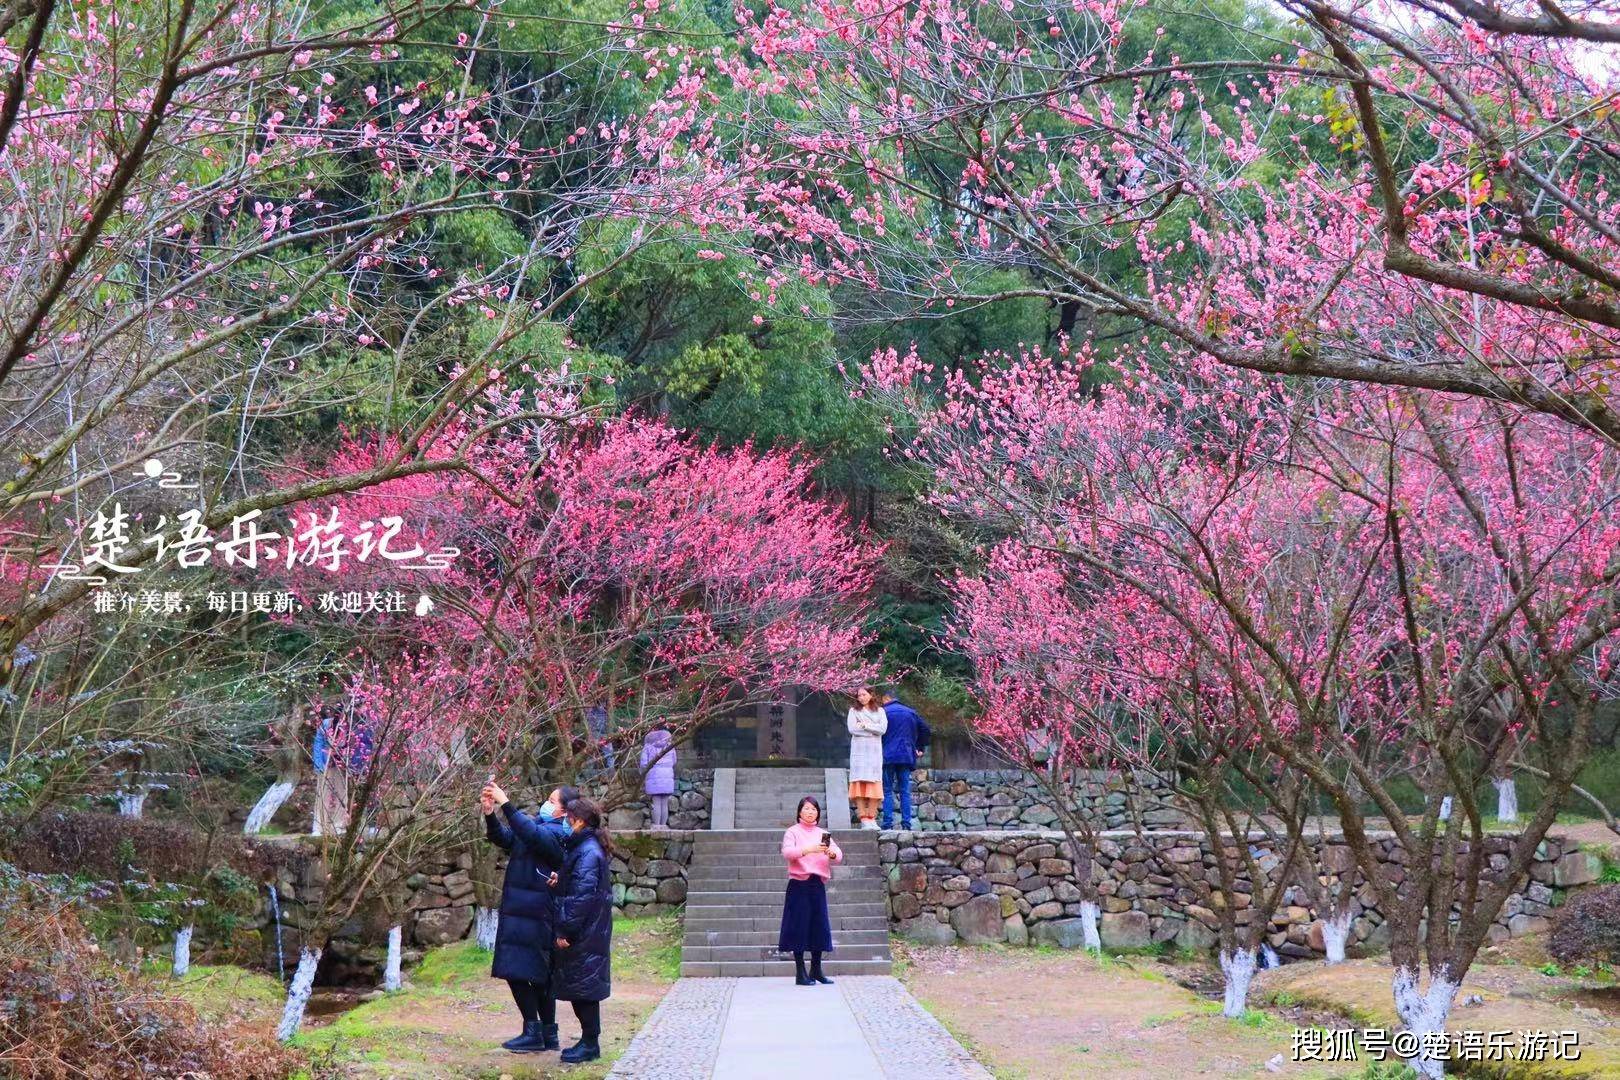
(1424, 1014)
(1507, 799)
(487, 921)
(266, 807)
(1335, 933)
(303, 983)
(182, 951)
(132, 801)
(1238, 967)
(288, 738)
(1088, 925)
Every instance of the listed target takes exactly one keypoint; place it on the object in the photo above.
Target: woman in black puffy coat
(582, 972)
(523, 939)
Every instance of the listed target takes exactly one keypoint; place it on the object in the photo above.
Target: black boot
(815, 971)
(530, 1042)
(548, 1037)
(584, 1050)
(798, 965)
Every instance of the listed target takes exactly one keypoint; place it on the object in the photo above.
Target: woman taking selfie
(867, 723)
(582, 972)
(524, 935)
(810, 852)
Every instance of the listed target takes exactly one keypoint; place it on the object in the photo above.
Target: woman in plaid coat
(867, 723)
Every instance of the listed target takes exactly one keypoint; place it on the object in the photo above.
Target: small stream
(328, 1003)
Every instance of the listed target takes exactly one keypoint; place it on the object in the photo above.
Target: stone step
(767, 936)
(722, 904)
(776, 863)
(709, 969)
(846, 887)
(776, 883)
(836, 899)
(775, 860)
(741, 924)
(772, 834)
(774, 846)
(731, 953)
(775, 886)
(842, 872)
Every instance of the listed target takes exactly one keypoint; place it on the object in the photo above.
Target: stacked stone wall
(1012, 799)
(1020, 887)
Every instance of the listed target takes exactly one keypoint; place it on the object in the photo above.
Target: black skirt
(805, 927)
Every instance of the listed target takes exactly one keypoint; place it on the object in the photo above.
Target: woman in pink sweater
(810, 852)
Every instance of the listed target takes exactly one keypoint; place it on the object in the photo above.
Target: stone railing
(1000, 886)
(983, 799)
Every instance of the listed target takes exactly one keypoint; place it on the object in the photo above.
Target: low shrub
(67, 1011)
(1587, 927)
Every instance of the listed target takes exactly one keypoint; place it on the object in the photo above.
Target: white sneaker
(868, 823)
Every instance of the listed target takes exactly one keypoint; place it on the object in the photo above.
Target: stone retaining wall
(689, 807)
(981, 799)
(1018, 887)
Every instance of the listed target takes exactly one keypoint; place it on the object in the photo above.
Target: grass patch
(1000, 1072)
(218, 991)
(647, 946)
(451, 964)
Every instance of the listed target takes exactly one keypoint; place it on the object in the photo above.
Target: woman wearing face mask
(583, 975)
(523, 939)
(810, 852)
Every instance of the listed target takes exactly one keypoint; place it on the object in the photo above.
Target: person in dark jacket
(905, 740)
(523, 938)
(583, 973)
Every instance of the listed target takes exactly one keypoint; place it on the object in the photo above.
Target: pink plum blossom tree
(1346, 575)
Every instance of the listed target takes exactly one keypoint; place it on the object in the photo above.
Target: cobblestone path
(863, 1027)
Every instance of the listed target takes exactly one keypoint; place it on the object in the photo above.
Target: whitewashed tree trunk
(1335, 934)
(1445, 808)
(1088, 925)
(132, 801)
(1238, 967)
(487, 921)
(1424, 1013)
(266, 807)
(303, 983)
(1269, 958)
(182, 951)
(391, 980)
(1507, 799)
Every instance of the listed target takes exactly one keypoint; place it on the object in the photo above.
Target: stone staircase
(769, 798)
(736, 880)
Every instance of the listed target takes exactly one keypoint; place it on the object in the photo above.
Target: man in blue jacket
(903, 743)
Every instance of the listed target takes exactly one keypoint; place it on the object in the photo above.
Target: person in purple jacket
(658, 762)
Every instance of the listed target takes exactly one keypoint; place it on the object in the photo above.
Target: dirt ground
(1514, 995)
(1593, 836)
(450, 1020)
(1038, 1014)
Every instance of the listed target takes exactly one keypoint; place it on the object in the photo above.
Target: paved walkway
(863, 1026)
